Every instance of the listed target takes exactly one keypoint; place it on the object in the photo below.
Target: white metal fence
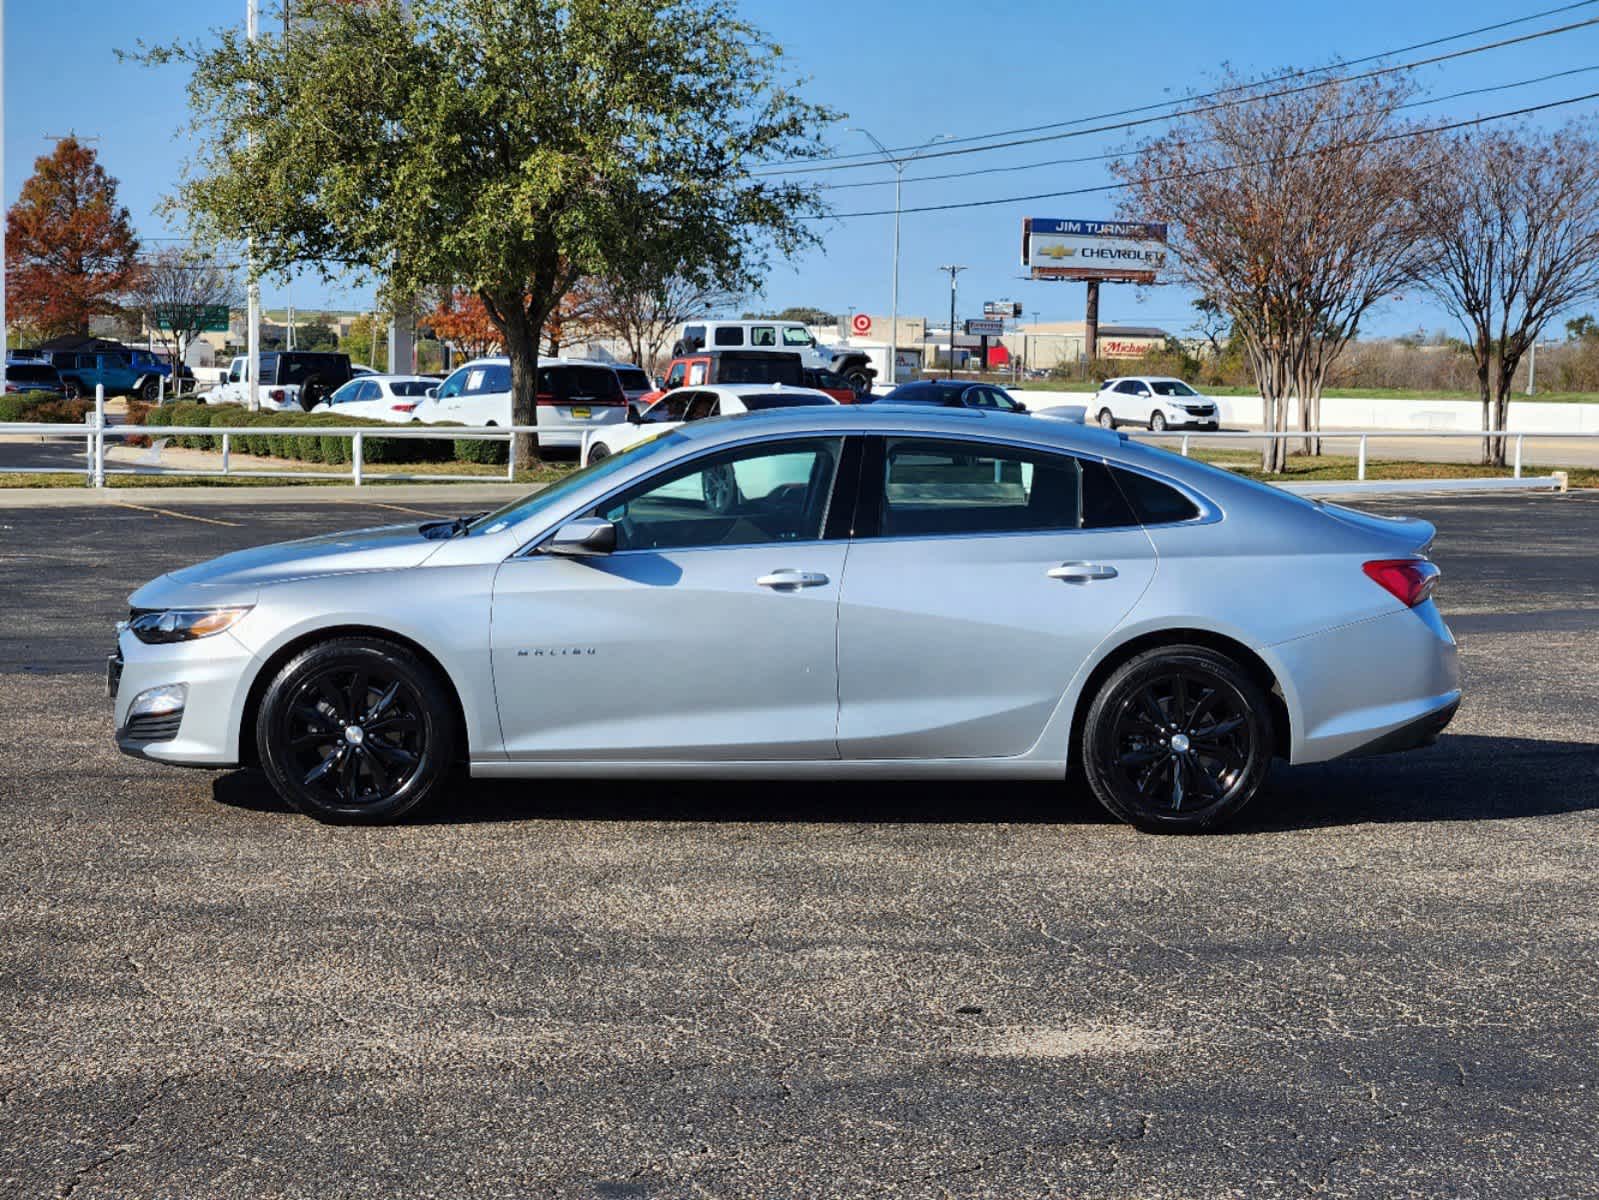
(96, 434)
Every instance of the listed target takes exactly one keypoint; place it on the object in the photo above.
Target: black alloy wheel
(1178, 739)
(356, 730)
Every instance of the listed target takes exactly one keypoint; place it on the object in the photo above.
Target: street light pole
(252, 336)
(954, 269)
(898, 162)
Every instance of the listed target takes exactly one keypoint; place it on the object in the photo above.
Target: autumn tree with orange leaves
(71, 253)
(461, 320)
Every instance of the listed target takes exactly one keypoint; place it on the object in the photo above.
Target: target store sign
(860, 325)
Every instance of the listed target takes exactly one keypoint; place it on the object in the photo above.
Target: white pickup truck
(299, 379)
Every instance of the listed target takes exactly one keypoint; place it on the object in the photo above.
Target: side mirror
(634, 417)
(1020, 407)
(433, 393)
(583, 538)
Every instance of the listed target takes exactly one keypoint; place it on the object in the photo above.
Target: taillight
(403, 407)
(1410, 580)
(277, 395)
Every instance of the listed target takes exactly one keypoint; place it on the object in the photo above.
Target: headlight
(183, 624)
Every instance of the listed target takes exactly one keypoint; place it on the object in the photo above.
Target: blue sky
(907, 70)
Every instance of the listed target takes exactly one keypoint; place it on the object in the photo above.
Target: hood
(1409, 535)
(236, 577)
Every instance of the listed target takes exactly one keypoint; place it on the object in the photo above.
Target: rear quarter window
(1154, 502)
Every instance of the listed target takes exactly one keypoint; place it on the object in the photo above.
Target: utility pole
(252, 318)
(898, 162)
(954, 269)
(4, 341)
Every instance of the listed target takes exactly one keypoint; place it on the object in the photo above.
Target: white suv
(1155, 401)
(854, 365)
(574, 395)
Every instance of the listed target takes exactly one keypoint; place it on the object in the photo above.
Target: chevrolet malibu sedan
(830, 592)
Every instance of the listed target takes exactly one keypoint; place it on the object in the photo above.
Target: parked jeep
(115, 370)
(289, 379)
(791, 337)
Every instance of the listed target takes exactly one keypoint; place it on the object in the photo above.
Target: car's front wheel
(356, 731)
(1157, 421)
(1177, 740)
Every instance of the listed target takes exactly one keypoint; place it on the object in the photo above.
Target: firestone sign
(1115, 251)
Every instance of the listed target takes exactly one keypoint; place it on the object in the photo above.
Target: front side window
(1172, 387)
(668, 408)
(234, 372)
(674, 377)
(455, 384)
(369, 391)
(632, 379)
(729, 335)
(748, 496)
(345, 394)
(700, 406)
(933, 487)
(794, 336)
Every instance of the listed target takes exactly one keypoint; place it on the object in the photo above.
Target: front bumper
(205, 731)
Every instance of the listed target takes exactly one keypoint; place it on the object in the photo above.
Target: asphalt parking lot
(1384, 981)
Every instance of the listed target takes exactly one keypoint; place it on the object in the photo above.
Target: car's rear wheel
(598, 451)
(1106, 421)
(1177, 740)
(356, 731)
(1157, 422)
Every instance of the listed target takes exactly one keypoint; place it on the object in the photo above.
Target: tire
(150, 391)
(1132, 757)
(73, 388)
(401, 751)
(598, 452)
(1106, 421)
(1157, 422)
(859, 380)
(312, 392)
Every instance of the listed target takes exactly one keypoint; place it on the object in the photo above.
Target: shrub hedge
(44, 409)
(312, 447)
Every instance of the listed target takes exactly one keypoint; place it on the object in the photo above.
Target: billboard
(1116, 251)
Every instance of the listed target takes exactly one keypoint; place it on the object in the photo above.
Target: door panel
(709, 634)
(961, 644)
(671, 655)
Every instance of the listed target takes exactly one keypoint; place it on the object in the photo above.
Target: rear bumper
(1380, 685)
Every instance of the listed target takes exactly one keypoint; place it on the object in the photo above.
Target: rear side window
(1153, 502)
(763, 335)
(783, 400)
(961, 488)
(729, 335)
(694, 336)
(410, 387)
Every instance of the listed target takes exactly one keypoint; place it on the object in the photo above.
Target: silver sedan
(831, 592)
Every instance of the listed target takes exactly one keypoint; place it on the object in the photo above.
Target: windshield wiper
(444, 530)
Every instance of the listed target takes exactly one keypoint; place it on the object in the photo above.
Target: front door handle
(1081, 572)
(787, 580)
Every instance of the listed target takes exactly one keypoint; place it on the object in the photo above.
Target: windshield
(557, 492)
(1171, 387)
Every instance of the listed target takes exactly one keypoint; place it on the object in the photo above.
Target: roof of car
(504, 360)
(753, 389)
(918, 419)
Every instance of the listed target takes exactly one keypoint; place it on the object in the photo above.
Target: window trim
(874, 465)
(532, 548)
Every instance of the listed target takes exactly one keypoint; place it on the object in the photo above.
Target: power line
(1112, 187)
(1271, 79)
(1054, 162)
(1250, 99)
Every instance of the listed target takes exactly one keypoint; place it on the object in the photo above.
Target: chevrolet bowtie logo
(1057, 251)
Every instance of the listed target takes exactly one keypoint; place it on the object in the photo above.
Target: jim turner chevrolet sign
(1119, 251)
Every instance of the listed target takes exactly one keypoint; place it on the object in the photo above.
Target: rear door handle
(788, 579)
(1082, 572)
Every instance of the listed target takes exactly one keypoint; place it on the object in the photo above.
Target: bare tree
(642, 314)
(174, 289)
(1513, 217)
(1296, 213)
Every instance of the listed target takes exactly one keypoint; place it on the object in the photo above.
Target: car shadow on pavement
(1462, 778)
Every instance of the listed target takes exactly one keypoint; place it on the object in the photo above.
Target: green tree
(1580, 329)
(365, 343)
(508, 146)
(315, 334)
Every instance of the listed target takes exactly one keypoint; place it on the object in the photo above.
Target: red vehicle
(700, 367)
